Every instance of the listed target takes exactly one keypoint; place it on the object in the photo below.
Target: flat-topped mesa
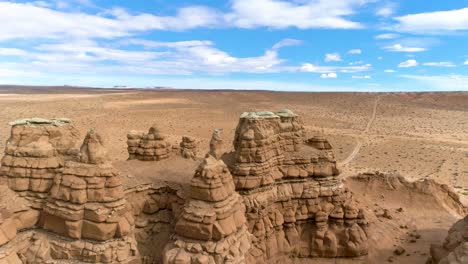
(36, 148)
(87, 201)
(212, 227)
(149, 146)
(296, 205)
(188, 147)
(454, 249)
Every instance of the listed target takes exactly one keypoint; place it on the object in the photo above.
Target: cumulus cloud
(355, 51)
(335, 56)
(330, 75)
(401, 48)
(408, 63)
(434, 22)
(45, 20)
(300, 14)
(440, 64)
(387, 36)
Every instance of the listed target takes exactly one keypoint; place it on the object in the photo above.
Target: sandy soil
(419, 135)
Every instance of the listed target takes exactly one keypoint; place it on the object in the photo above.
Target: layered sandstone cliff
(276, 197)
(212, 227)
(296, 204)
(35, 150)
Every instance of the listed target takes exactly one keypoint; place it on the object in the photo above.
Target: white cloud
(466, 62)
(401, 48)
(361, 77)
(380, 58)
(12, 52)
(332, 57)
(359, 62)
(386, 10)
(301, 14)
(330, 75)
(387, 36)
(43, 22)
(355, 51)
(434, 22)
(308, 67)
(440, 64)
(451, 82)
(389, 71)
(162, 44)
(286, 43)
(47, 20)
(178, 58)
(408, 63)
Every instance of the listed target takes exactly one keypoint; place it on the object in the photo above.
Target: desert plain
(416, 135)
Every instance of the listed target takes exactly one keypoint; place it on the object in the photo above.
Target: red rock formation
(212, 227)
(35, 150)
(296, 205)
(150, 146)
(454, 250)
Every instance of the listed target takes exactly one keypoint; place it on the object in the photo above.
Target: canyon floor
(417, 135)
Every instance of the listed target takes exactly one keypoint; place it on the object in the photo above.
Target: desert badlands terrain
(180, 176)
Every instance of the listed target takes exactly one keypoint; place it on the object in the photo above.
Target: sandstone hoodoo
(86, 201)
(212, 227)
(188, 147)
(148, 146)
(296, 205)
(277, 197)
(36, 148)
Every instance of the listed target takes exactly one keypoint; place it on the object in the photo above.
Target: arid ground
(418, 135)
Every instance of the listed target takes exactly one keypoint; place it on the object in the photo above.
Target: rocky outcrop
(188, 147)
(16, 214)
(149, 146)
(87, 199)
(212, 227)
(454, 250)
(277, 196)
(296, 204)
(33, 153)
(156, 208)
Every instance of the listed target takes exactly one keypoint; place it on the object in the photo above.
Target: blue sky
(297, 45)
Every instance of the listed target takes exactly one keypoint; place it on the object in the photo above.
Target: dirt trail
(360, 140)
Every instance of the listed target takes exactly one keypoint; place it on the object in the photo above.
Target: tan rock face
(454, 249)
(34, 152)
(87, 199)
(296, 205)
(212, 227)
(147, 146)
(16, 214)
(188, 147)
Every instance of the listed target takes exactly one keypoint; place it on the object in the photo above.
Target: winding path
(360, 142)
